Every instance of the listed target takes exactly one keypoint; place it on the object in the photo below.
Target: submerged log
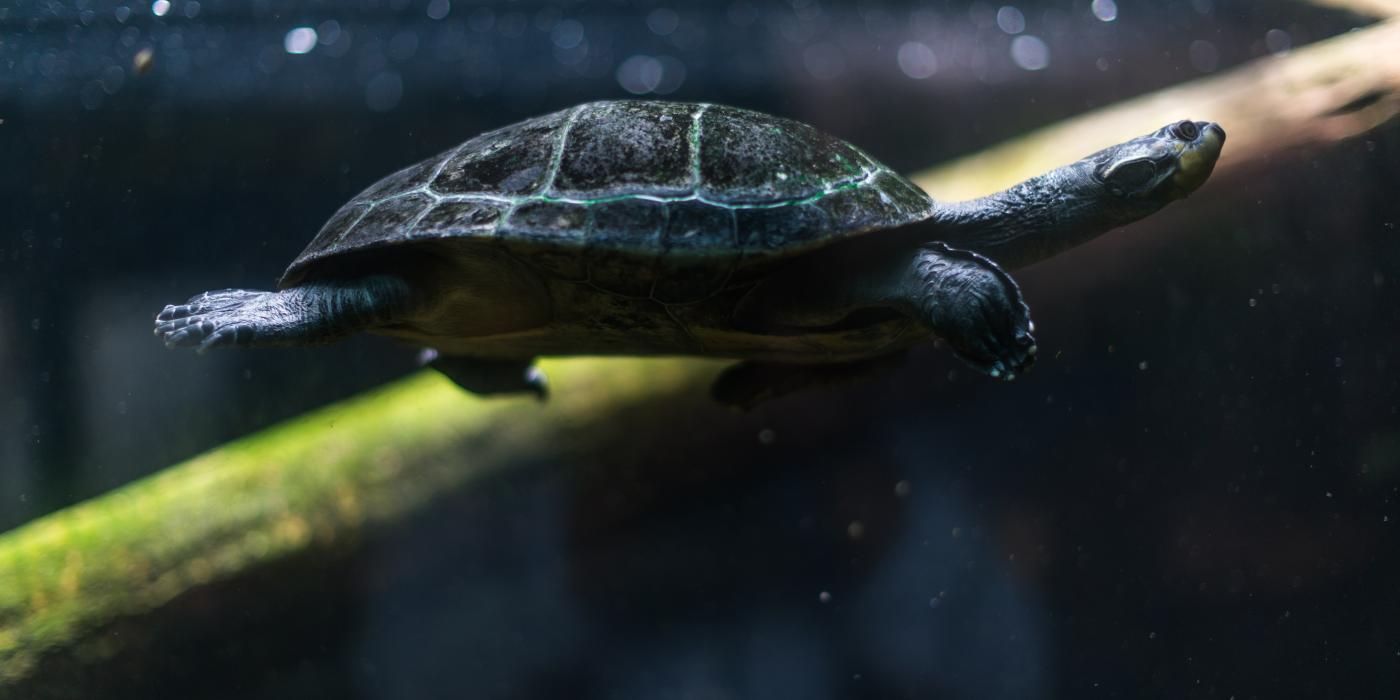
(328, 478)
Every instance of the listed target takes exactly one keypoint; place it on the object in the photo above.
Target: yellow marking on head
(1196, 162)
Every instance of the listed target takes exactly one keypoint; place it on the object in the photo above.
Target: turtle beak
(1198, 155)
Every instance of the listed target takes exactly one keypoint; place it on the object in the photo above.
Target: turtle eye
(1130, 176)
(1186, 130)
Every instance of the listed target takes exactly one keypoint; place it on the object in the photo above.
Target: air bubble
(1278, 41)
(1204, 56)
(1030, 52)
(1010, 20)
(917, 60)
(663, 21)
(299, 40)
(384, 91)
(1104, 10)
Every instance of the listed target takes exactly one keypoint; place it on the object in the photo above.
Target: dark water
(1192, 495)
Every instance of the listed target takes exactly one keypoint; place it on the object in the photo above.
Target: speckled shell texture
(664, 199)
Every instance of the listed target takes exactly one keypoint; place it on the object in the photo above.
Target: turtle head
(1067, 206)
(1148, 172)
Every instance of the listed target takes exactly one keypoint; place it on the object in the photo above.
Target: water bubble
(1104, 10)
(1278, 40)
(384, 91)
(824, 60)
(160, 7)
(112, 79)
(547, 17)
(639, 74)
(1030, 52)
(573, 55)
(935, 602)
(855, 530)
(902, 488)
(122, 13)
(1253, 302)
(328, 32)
(662, 21)
(437, 9)
(917, 60)
(482, 19)
(672, 75)
(1010, 20)
(767, 436)
(567, 34)
(824, 597)
(1143, 365)
(1204, 56)
(299, 40)
(513, 24)
(192, 9)
(91, 95)
(143, 60)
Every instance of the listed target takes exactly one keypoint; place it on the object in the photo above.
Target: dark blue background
(1191, 496)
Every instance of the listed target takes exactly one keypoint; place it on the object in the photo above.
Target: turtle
(630, 227)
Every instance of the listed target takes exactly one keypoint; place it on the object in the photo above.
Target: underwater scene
(400, 349)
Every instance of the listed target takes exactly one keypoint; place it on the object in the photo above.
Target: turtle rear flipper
(486, 377)
(302, 315)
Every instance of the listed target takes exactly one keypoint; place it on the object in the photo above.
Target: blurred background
(1193, 495)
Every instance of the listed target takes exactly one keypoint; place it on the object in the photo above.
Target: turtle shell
(644, 198)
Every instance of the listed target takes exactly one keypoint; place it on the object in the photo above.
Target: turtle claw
(211, 319)
(977, 308)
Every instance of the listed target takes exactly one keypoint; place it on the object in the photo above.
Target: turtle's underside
(672, 228)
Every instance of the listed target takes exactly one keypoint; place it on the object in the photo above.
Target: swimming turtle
(663, 228)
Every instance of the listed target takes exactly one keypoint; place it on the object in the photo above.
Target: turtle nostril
(1186, 130)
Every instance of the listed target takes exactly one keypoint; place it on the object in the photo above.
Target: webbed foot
(224, 317)
(978, 310)
(308, 313)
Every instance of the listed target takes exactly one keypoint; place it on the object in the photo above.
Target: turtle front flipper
(302, 315)
(974, 306)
